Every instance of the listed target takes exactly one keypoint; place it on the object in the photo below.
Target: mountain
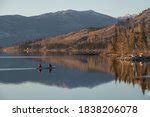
(126, 36)
(16, 28)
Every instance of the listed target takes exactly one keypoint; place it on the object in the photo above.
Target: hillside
(124, 38)
(16, 29)
(86, 41)
(132, 36)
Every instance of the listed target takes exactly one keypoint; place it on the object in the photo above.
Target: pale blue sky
(110, 7)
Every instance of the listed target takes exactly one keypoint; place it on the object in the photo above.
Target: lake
(74, 77)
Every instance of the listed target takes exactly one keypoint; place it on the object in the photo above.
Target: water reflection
(77, 71)
(132, 73)
(84, 63)
(61, 76)
(124, 71)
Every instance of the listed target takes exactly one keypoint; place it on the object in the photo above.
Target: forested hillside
(132, 36)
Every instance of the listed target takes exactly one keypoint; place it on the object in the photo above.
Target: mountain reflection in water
(79, 71)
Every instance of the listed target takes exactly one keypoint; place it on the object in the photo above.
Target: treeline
(91, 45)
(78, 46)
(30, 44)
(57, 46)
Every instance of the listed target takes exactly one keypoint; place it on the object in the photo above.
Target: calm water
(74, 77)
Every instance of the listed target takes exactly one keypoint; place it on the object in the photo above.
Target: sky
(113, 8)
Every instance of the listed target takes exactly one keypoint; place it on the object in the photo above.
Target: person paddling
(39, 68)
(50, 66)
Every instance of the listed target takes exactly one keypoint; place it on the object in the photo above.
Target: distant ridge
(17, 28)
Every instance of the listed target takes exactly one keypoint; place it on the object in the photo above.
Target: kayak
(42, 68)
